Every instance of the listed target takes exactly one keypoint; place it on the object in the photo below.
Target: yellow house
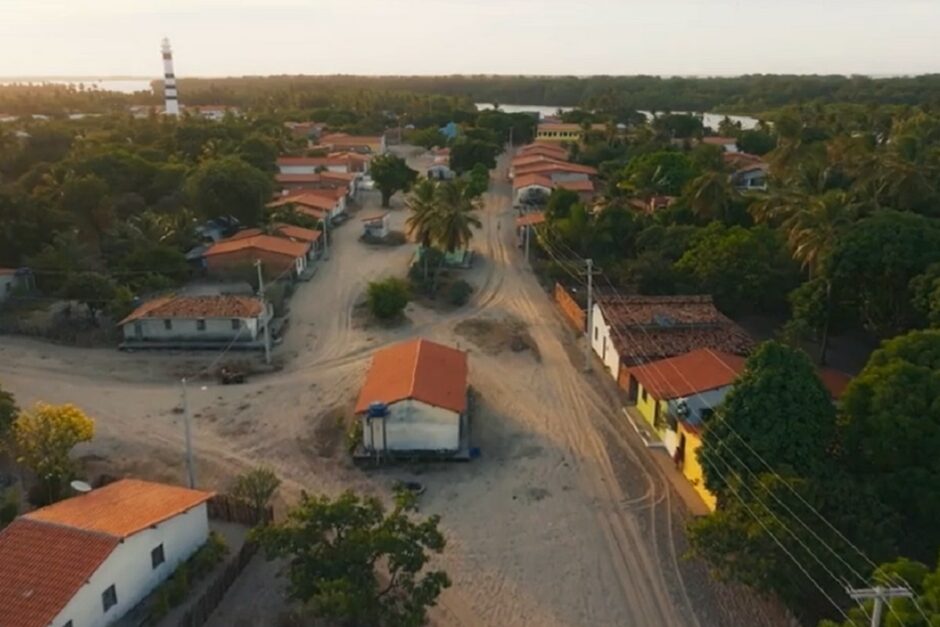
(562, 132)
(676, 395)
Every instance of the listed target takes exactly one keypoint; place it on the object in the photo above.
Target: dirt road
(564, 520)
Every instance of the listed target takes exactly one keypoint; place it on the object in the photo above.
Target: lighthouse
(169, 81)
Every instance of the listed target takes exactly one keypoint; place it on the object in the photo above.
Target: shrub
(388, 298)
(459, 293)
(353, 436)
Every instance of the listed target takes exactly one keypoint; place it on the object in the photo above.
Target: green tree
(756, 142)
(391, 174)
(426, 137)
(259, 152)
(422, 200)
(388, 298)
(560, 202)
(256, 487)
(8, 413)
(777, 411)
(229, 186)
(86, 199)
(744, 269)
(925, 291)
(664, 172)
(351, 562)
(466, 152)
(478, 181)
(871, 267)
(891, 433)
(712, 197)
(456, 215)
(92, 289)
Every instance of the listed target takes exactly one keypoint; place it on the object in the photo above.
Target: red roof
(692, 373)
(196, 307)
(7, 271)
(526, 180)
(297, 232)
(543, 149)
(335, 193)
(308, 198)
(555, 166)
(311, 161)
(576, 186)
(122, 508)
(417, 369)
(297, 178)
(719, 141)
(536, 217)
(341, 176)
(42, 566)
(267, 243)
(524, 160)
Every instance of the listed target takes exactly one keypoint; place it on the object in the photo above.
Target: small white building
(197, 321)
(86, 561)
(375, 224)
(414, 399)
(531, 185)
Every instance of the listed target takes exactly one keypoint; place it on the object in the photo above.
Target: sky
(581, 37)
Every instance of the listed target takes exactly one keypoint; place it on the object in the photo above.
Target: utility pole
(880, 594)
(190, 470)
(590, 316)
(264, 314)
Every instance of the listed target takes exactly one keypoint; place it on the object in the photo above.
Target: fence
(200, 611)
(224, 507)
(570, 309)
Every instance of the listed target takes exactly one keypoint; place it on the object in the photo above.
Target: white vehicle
(367, 183)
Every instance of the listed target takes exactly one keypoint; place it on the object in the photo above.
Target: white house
(204, 321)
(86, 561)
(528, 185)
(414, 399)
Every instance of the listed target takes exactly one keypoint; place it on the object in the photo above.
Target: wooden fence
(570, 309)
(224, 507)
(202, 609)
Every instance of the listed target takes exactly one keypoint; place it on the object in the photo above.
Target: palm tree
(813, 229)
(711, 196)
(454, 217)
(424, 209)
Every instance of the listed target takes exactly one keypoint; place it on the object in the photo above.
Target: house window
(595, 333)
(157, 557)
(200, 325)
(236, 324)
(109, 598)
(643, 395)
(168, 325)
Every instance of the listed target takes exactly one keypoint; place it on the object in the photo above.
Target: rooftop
(417, 369)
(307, 198)
(122, 508)
(719, 141)
(197, 307)
(543, 148)
(695, 372)
(534, 218)
(267, 243)
(576, 186)
(42, 566)
(525, 180)
(555, 166)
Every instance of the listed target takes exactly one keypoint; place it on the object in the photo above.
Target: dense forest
(752, 94)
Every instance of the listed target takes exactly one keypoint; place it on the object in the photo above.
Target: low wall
(572, 311)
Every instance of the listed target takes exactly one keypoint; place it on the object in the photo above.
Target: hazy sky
(234, 37)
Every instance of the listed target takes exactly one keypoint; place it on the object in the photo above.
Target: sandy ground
(565, 519)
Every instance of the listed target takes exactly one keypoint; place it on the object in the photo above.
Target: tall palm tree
(813, 229)
(422, 200)
(454, 218)
(711, 196)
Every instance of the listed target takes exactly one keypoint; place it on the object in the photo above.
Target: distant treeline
(742, 94)
(745, 94)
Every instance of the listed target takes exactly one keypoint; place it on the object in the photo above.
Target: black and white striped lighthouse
(169, 81)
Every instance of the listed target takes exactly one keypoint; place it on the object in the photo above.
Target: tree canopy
(229, 186)
(391, 174)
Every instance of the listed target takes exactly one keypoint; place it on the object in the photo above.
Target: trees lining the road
(391, 174)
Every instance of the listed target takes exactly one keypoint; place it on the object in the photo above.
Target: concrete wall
(603, 345)
(130, 571)
(217, 329)
(709, 399)
(413, 426)
(692, 469)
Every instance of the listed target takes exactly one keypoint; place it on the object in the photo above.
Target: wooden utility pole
(880, 594)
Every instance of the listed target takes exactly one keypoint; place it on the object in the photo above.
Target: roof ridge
(53, 523)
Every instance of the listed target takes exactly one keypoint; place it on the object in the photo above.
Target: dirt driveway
(564, 520)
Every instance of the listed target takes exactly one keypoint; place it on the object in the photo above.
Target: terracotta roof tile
(536, 217)
(544, 149)
(306, 198)
(835, 381)
(122, 508)
(525, 180)
(195, 307)
(310, 161)
(576, 186)
(647, 328)
(42, 566)
(555, 166)
(695, 372)
(267, 243)
(719, 141)
(417, 369)
(297, 232)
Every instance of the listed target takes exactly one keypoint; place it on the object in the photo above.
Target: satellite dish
(80, 486)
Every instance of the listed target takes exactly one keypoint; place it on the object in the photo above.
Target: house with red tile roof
(528, 185)
(414, 399)
(197, 322)
(339, 162)
(329, 202)
(279, 256)
(89, 559)
(344, 142)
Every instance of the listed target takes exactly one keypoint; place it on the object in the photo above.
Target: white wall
(297, 169)
(186, 329)
(413, 426)
(129, 569)
(558, 177)
(601, 333)
(7, 283)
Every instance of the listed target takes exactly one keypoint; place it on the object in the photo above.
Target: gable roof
(311, 161)
(297, 232)
(196, 307)
(555, 166)
(306, 198)
(122, 508)
(267, 243)
(646, 328)
(544, 149)
(527, 180)
(417, 369)
(719, 141)
(42, 566)
(692, 373)
(531, 219)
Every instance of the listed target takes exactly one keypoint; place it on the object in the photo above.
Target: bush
(459, 293)
(388, 298)
(353, 436)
